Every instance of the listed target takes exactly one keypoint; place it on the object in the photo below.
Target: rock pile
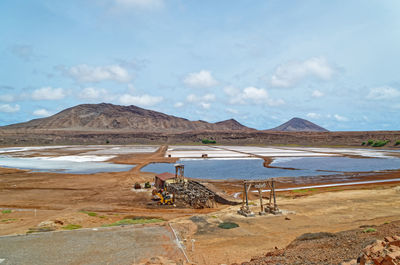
(386, 252)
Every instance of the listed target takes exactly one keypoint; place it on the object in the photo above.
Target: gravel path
(115, 245)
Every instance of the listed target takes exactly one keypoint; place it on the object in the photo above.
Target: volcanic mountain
(99, 117)
(299, 125)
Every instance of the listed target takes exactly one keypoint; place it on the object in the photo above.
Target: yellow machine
(163, 197)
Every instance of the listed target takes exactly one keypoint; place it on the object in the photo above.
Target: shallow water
(342, 164)
(40, 164)
(254, 169)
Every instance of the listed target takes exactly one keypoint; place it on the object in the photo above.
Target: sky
(261, 62)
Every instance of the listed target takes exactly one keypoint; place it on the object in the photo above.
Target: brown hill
(299, 125)
(96, 117)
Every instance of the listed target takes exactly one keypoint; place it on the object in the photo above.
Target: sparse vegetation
(369, 230)
(208, 141)
(377, 143)
(147, 185)
(228, 225)
(134, 222)
(8, 220)
(380, 143)
(71, 227)
(90, 213)
(6, 211)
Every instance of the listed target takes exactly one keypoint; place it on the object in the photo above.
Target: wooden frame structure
(179, 173)
(270, 207)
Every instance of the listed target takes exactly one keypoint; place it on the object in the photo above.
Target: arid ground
(65, 199)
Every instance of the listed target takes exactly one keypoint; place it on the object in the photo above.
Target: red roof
(166, 175)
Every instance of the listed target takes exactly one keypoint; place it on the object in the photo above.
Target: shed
(160, 179)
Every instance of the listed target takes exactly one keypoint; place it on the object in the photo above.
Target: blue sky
(335, 63)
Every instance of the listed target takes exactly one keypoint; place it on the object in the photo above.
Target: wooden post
(273, 188)
(270, 195)
(261, 202)
(244, 193)
(245, 190)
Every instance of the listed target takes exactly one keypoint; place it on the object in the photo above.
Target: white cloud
(289, 74)
(92, 74)
(383, 92)
(202, 79)
(41, 113)
(340, 118)
(178, 104)
(205, 105)
(142, 4)
(255, 94)
(92, 93)
(48, 93)
(143, 100)
(7, 98)
(313, 115)
(252, 95)
(317, 94)
(231, 91)
(9, 108)
(203, 101)
(193, 98)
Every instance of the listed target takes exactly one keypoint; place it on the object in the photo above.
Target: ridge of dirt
(327, 248)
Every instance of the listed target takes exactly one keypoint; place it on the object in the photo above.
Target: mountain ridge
(106, 116)
(299, 125)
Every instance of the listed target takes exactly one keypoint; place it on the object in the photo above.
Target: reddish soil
(328, 248)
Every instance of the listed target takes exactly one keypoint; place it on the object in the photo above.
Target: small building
(160, 179)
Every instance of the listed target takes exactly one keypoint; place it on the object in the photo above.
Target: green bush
(397, 142)
(380, 143)
(370, 142)
(72, 227)
(228, 225)
(208, 141)
(147, 185)
(6, 211)
(363, 143)
(90, 213)
(369, 230)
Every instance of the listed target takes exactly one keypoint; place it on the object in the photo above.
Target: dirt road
(111, 246)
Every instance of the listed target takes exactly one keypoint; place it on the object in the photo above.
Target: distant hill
(299, 125)
(97, 117)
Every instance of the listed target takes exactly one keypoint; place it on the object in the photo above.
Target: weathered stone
(377, 248)
(389, 239)
(395, 243)
(377, 260)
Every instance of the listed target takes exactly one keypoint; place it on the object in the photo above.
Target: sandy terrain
(331, 211)
(66, 198)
